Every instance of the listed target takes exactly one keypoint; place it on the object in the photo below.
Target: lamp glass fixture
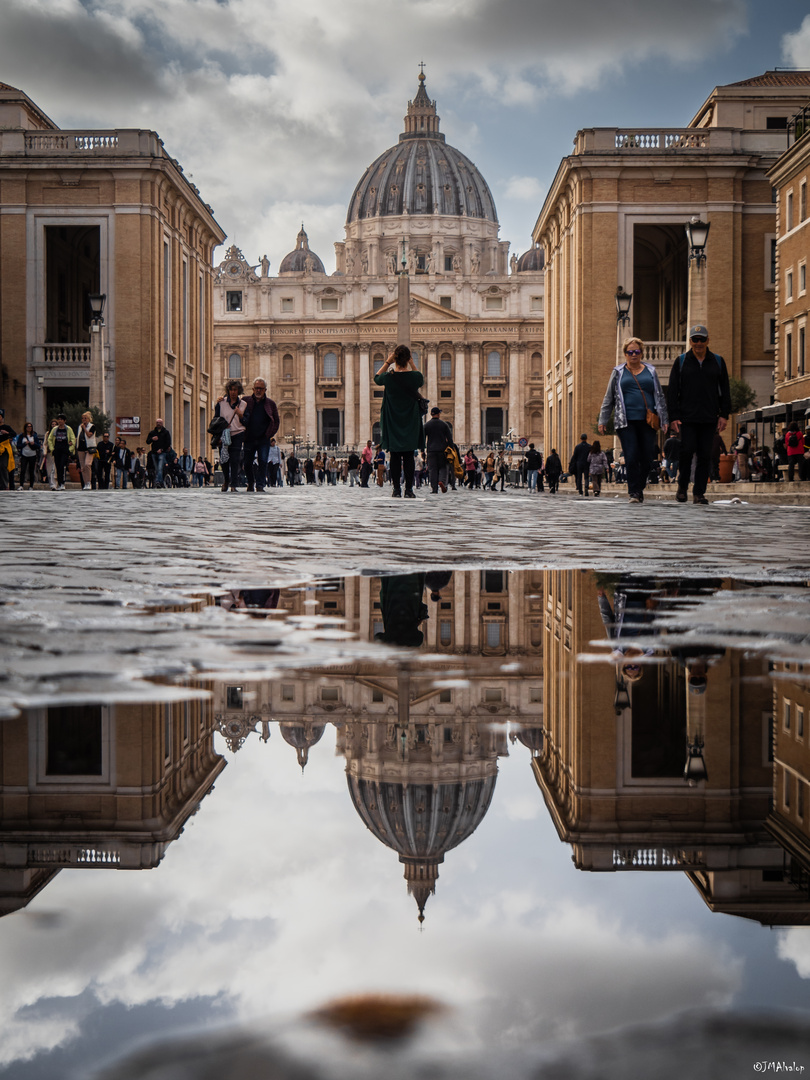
(697, 233)
(97, 301)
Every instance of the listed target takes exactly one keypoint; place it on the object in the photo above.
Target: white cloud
(266, 103)
(525, 189)
(796, 45)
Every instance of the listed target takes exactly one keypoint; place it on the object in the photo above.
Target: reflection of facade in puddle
(611, 768)
(789, 819)
(98, 786)
(421, 738)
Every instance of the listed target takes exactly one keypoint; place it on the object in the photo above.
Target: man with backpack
(438, 437)
(699, 406)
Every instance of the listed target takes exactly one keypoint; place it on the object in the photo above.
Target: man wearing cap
(159, 441)
(699, 405)
(438, 437)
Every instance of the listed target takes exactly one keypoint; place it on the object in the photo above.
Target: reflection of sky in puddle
(342, 782)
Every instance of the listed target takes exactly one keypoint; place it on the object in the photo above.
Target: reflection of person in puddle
(696, 661)
(254, 600)
(436, 581)
(402, 609)
(629, 617)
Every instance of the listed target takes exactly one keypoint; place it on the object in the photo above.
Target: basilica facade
(421, 207)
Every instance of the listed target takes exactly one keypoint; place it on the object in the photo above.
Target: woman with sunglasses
(633, 389)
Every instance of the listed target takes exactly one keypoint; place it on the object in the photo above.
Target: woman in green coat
(401, 429)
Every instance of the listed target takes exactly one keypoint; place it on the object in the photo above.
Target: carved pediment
(235, 268)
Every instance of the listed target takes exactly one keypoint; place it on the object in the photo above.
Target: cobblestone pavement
(104, 591)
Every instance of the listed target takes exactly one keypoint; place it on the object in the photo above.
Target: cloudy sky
(275, 109)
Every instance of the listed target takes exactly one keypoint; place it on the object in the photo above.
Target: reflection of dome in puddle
(302, 735)
(422, 821)
(530, 737)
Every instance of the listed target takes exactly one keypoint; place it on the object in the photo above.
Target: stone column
(475, 607)
(349, 396)
(515, 418)
(431, 387)
(310, 413)
(475, 395)
(364, 394)
(364, 609)
(458, 603)
(516, 620)
(459, 423)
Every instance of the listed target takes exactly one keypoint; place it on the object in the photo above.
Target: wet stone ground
(545, 762)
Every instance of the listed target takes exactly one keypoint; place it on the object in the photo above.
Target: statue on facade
(475, 262)
(428, 261)
(349, 262)
(309, 263)
(456, 264)
(265, 266)
(411, 262)
(513, 263)
(364, 262)
(391, 260)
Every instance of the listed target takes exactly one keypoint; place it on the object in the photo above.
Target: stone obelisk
(404, 302)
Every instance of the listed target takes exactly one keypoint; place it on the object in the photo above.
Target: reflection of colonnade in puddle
(421, 733)
(611, 768)
(98, 787)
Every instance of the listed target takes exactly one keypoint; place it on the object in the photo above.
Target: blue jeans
(638, 446)
(262, 451)
(159, 459)
(531, 475)
(121, 478)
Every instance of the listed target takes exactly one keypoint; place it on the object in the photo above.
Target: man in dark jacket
(438, 437)
(699, 405)
(106, 453)
(354, 468)
(534, 463)
(159, 441)
(579, 464)
(261, 423)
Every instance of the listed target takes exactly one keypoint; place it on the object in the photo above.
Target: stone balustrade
(662, 355)
(67, 353)
(125, 142)
(678, 140)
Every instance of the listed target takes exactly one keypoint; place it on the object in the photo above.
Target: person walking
(672, 453)
(534, 462)
(794, 445)
(469, 468)
(274, 477)
(553, 471)
(62, 444)
(29, 446)
(579, 463)
(86, 448)
(438, 437)
(186, 463)
(401, 429)
(122, 463)
(354, 468)
(597, 467)
(367, 456)
(199, 472)
(106, 452)
(293, 466)
(699, 406)
(159, 441)
(261, 422)
(634, 390)
(231, 408)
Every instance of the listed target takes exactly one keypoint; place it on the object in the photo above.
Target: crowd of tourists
(414, 452)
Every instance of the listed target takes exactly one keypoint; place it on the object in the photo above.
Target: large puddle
(563, 801)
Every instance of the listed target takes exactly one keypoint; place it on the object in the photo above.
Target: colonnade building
(319, 338)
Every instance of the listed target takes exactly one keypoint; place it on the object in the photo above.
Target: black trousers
(696, 442)
(437, 468)
(581, 472)
(27, 465)
(231, 467)
(402, 461)
(365, 473)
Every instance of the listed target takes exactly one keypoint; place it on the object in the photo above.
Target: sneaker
(409, 495)
(61, 487)
(634, 499)
(396, 493)
(680, 495)
(85, 487)
(701, 500)
(224, 487)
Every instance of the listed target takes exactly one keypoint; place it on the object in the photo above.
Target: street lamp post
(97, 392)
(697, 233)
(623, 301)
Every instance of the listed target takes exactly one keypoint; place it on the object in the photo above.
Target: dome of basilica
(301, 260)
(533, 259)
(422, 174)
(301, 736)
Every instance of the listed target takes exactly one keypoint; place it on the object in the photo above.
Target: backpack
(793, 439)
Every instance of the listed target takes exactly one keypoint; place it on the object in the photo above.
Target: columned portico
(350, 408)
(515, 420)
(310, 413)
(365, 392)
(459, 422)
(475, 395)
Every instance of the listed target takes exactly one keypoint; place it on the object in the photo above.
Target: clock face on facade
(234, 268)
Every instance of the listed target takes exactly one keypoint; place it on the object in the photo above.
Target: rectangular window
(445, 632)
(493, 364)
(234, 366)
(329, 693)
(789, 285)
(329, 303)
(445, 393)
(377, 302)
(771, 331)
(233, 697)
(535, 694)
(786, 717)
(330, 393)
(492, 581)
(287, 692)
(786, 790)
(788, 356)
(799, 722)
(187, 424)
(493, 634)
(446, 301)
(445, 696)
(799, 799)
(800, 357)
(379, 393)
(802, 278)
(489, 694)
(74, 741)
(493, 303)
(448, 263)
(378, 365)
(167, 733)
(203, 433)
(420, 262)
(287, 303)
(776, 123)
(772, 278)
(803, 200)
(376, 694)
(789, 211)
(536, 303)
(446, 367)
(233, 300)
(168, 411)
(494, 393)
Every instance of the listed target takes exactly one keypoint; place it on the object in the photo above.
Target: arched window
(330, 365)
(287, 366)
(493, 363)
(415, 356)
(446, 368)
(379, 360)
(375, 432)
(234, 366)
(288, 424)
(537, 363)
